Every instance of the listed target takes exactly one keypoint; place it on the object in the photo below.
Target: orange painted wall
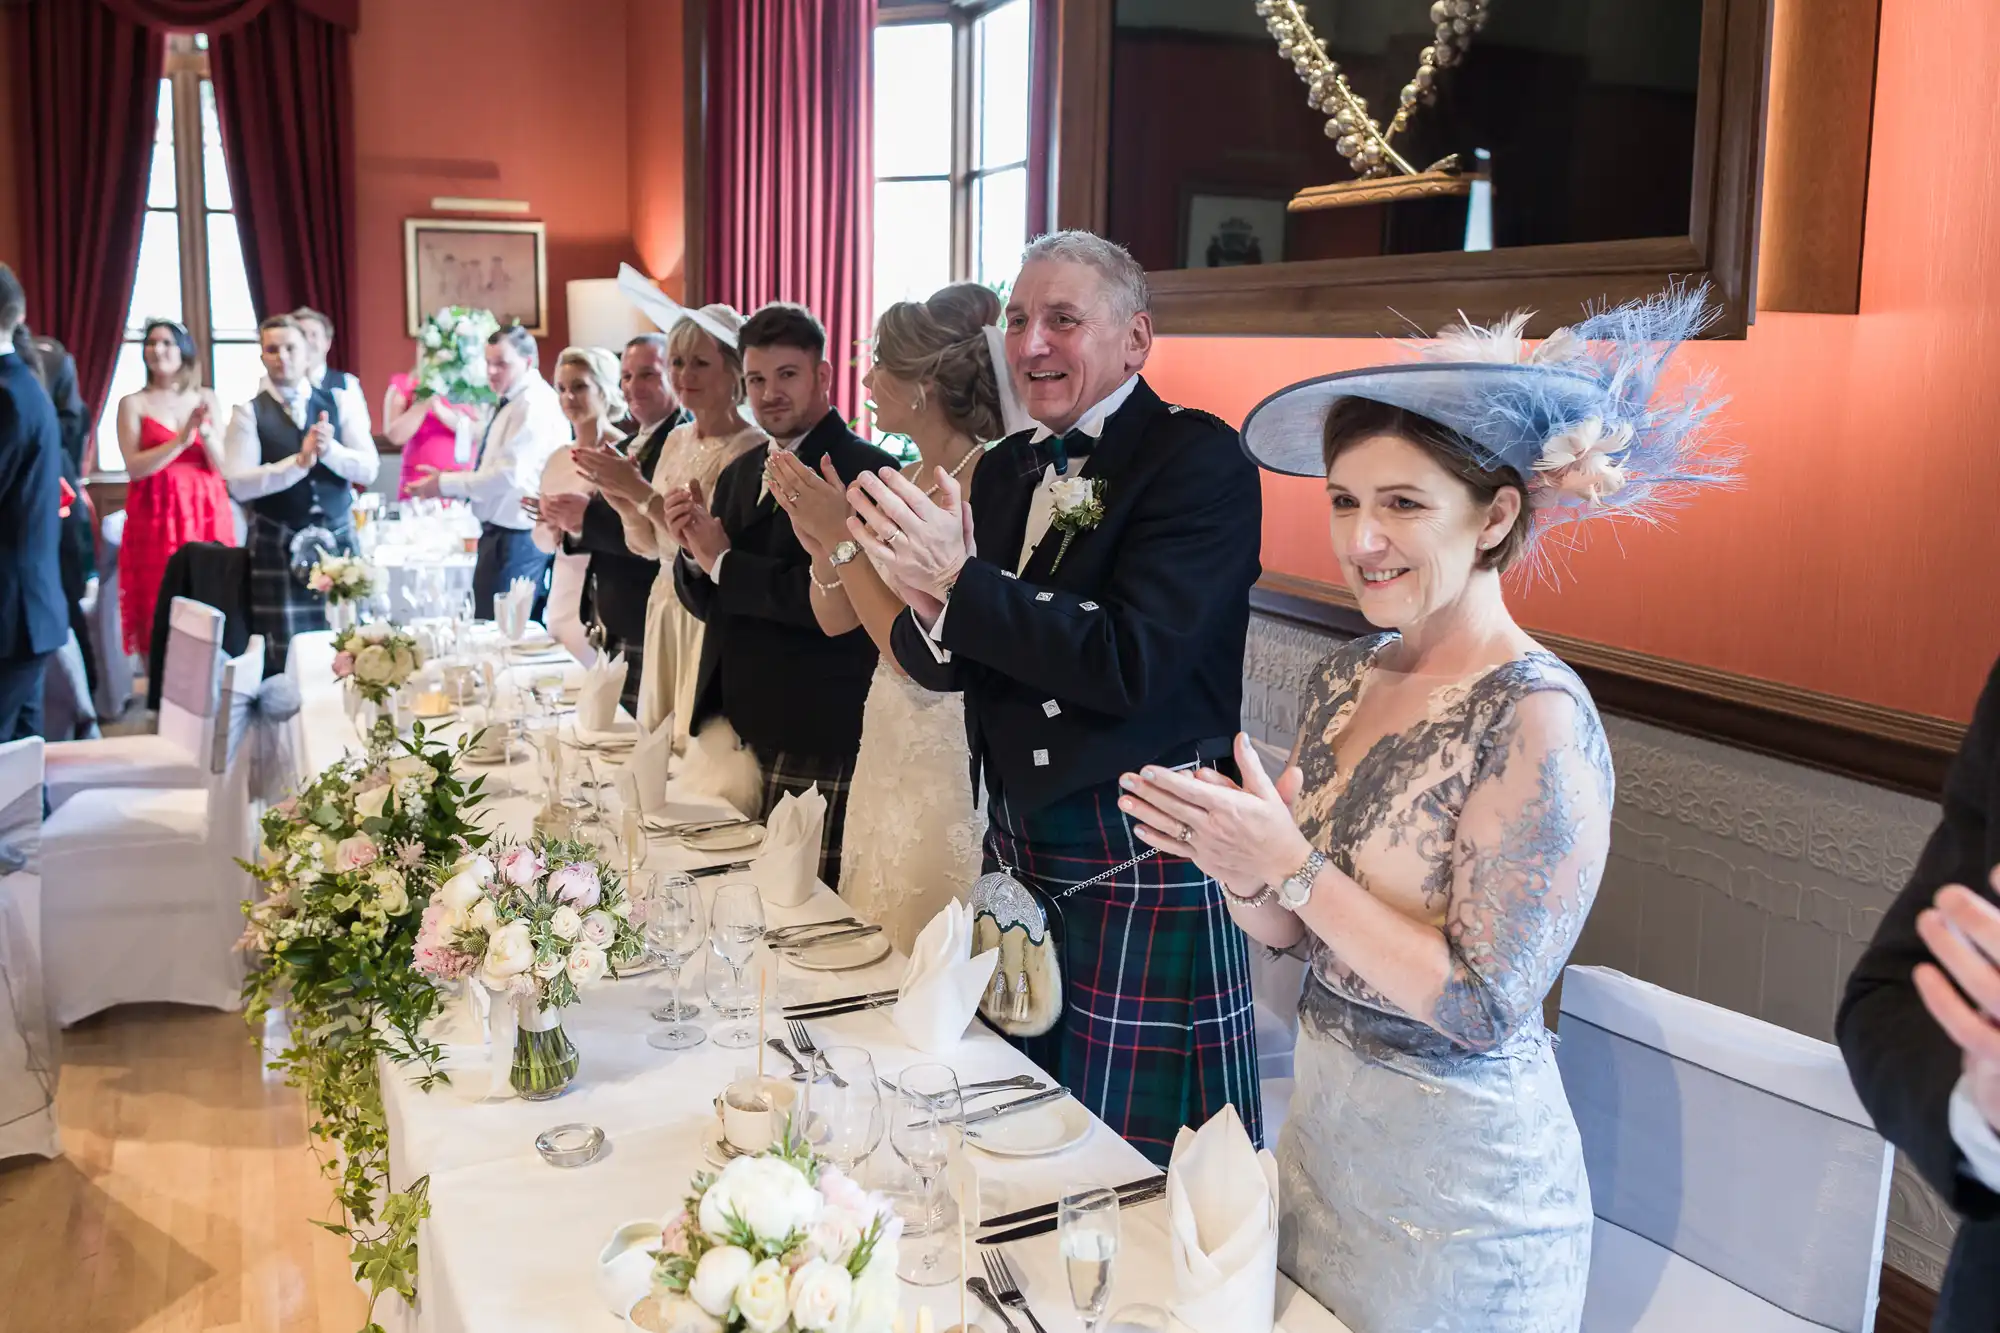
(510, 99)
(1861, 556)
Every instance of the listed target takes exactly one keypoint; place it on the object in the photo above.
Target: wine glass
(673, 926)
(925, 1130)
(735, 927)
(845, 1116)
(1087, 1227)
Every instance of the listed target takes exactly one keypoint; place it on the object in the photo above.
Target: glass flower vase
(545, 1060)
(342, 615)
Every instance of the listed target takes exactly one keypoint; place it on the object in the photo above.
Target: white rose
(622, 910)
(1070, 493)
(767, 1195)
(371, 803)
(678, 1314)
(548, 967)
(822, 1296)
(876, 1296)
(475, 865)
(599, 928)
(374, 631)
(482, 916)
(760, 1298)
(432, 337)
(586, 965)
(406, 662)
(374, 665)
(836, 1233)
(458, 895)
(566, 924)
(509, 953)
(391, 894)
(717, 1276)
(408, 766)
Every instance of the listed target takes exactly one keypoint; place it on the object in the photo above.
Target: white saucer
(844, 956)
(645, 967)
(714, 1150)
(1037, 1133)
(733, 839)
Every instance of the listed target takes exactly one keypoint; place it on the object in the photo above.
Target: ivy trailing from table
(345, 868)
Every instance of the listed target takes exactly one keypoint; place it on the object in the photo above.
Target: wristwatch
(843, 553)
(1298, 886)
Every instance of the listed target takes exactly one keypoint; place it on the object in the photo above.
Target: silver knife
(792, 932)
(1018, 1104)
(814, 941)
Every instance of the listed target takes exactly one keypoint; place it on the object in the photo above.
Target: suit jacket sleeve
(778, 586)
(1902, 1063)
(602, 531)
(1187, 552)
(919, 663)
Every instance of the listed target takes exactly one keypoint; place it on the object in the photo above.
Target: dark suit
(793, 695)
(1124, 650)
(619, 582)
(56, 369)
(34, 621)
(1902, 1063)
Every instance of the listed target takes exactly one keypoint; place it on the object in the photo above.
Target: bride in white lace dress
(914, 824)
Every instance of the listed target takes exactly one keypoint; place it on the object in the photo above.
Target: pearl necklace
(970, 454)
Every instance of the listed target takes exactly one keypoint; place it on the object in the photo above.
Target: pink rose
(520, 866)
(343, 664)
(319, 582)
(576, 884)
(840, 1191)
(674, 1237)
(354, 853)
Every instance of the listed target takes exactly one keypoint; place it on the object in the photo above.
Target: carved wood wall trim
(1902, 751)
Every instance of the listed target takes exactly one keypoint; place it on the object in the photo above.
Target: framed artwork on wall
(1221, 229)
(489, 265)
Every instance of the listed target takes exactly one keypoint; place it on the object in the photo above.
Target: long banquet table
(512, 1242)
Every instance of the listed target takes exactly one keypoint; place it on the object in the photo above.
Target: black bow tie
(1057, 450)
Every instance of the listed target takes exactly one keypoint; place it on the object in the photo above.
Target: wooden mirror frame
(1387, 294)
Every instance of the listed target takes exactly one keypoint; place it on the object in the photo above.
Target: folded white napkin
(597, 697)
(788, 868)
(647, 767)
(1222, 1220)
(941, 990)
(510, 609)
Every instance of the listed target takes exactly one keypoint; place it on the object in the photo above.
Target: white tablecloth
(511, 1243)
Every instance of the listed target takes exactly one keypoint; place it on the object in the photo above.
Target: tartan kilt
(1157, 1028)
(796, 773)
(280, 605)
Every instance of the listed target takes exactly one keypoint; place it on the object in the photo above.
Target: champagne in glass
(735, 928)
(1087, 1226)
(673, 925)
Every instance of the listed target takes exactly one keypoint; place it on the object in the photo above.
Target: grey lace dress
(1431, 1173)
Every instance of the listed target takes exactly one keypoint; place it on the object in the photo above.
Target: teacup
(625, 1265)
(754, 1112)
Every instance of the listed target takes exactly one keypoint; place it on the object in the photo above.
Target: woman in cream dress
(587, 385)
(707, 375)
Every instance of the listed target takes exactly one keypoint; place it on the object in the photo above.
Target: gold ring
(1187, 833)
(890, 540)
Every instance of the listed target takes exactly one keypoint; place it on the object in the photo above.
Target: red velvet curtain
(1041, 115)
(284, 92)
(87, 89)
(218, 16)
(790, 173)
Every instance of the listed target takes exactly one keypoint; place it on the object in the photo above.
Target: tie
(1057, 450)
(487, 434)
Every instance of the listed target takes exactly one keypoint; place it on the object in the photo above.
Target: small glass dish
(570, 1145)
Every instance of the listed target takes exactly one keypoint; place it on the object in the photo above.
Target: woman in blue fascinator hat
(1437, 840)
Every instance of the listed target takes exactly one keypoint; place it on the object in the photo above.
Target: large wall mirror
(1599, 147)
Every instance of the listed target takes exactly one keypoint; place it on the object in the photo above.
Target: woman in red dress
(173, 455)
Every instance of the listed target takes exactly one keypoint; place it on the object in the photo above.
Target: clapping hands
(317, 438)
(816, 502)
(920, 545)
(564, 512)
(616, 475)
(694, 529)
(1963, 932)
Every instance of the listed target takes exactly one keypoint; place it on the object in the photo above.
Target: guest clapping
(587, 388)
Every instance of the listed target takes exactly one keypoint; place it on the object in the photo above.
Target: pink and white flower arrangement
(540, 920)
(777, 1243)
(342, 578)
(376, 659)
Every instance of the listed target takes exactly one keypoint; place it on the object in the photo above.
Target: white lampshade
(601, 316)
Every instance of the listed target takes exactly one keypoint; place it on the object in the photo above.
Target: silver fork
(1002, 1275)
(803, 1040)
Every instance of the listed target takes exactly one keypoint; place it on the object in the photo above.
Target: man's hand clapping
(1963, 932)
(317, 438)
(919, 544)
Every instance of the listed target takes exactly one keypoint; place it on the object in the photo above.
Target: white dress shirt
(349, 455)
(1041, 505)
(526, 429)
(353, 406)
(1975, 1138)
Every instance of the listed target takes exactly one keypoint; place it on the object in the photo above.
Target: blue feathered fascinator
(1579, 415)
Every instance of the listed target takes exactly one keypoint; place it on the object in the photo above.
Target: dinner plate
(1036, 1133)
(645, 967)
(624, 733)
(844, 956)
(733, 839)
(532, 643)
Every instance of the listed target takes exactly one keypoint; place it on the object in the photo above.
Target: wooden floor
(183, 1196)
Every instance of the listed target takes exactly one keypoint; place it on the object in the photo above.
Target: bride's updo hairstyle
(940, 345)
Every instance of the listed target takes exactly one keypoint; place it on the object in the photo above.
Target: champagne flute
(735, 928)
(672, 904)
(1087, 1227)
(925, 1130)
(846, 1118)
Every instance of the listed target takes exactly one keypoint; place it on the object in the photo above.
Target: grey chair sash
(22, 1006)
(190, 678)
(264, 718)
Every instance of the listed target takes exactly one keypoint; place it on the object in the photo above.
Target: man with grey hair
(1091, 599)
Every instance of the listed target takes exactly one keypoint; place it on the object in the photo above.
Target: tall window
(190, 256)
(951, 145)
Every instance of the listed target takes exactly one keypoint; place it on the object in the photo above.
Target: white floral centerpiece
(342, 578)
(778, 1243)
(536, 922)
(376, 660)
(452, 356)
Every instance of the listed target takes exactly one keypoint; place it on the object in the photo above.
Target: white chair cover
(28, 1050)
(146, 897)
(177, 755)
(1737, 1182)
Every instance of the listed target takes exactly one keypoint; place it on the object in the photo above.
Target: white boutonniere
(1078, 506)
